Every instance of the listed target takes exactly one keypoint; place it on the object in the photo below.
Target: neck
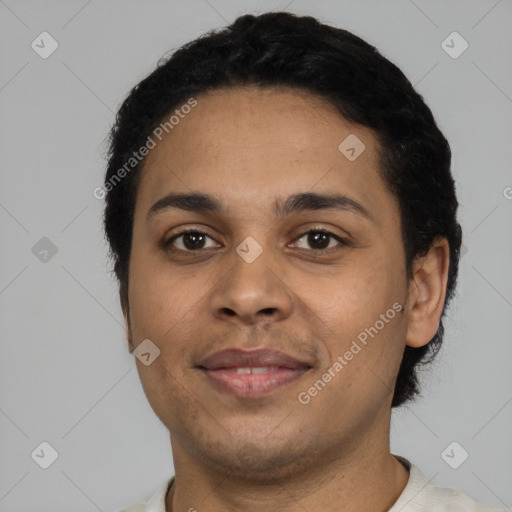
(367, 478)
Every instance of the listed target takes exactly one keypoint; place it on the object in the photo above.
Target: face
(311, 279)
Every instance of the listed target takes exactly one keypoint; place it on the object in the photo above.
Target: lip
(229, 371)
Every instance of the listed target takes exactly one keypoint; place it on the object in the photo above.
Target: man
(282, 219)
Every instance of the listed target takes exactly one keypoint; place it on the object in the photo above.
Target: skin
(249, 147)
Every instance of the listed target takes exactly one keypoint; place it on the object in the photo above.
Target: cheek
(354, 296)
(163, 310)
(171, 399)
(162, 298)
(366, 329)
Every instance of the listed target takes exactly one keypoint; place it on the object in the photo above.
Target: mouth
(251, 374)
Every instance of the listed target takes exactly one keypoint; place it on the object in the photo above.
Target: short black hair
(279, 49)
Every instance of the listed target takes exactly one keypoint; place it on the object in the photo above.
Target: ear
(427, 293)
(125, 307)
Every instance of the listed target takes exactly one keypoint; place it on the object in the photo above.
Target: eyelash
(167, 245)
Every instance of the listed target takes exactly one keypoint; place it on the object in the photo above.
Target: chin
(263, 462)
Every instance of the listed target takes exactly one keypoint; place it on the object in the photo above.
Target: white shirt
(418, 496)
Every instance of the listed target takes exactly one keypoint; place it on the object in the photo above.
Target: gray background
(66, 375)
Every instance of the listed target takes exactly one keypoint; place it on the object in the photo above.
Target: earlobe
(427, 291)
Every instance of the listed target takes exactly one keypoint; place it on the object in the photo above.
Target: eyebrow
(296, 203)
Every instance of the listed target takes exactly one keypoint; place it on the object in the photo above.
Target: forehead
(248, 146)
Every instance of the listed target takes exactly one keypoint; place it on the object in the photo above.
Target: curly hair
(299, 52)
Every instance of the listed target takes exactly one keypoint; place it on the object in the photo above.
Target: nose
(252, 293)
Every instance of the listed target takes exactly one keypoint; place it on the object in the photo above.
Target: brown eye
(321, 240)
(188, 241)
(318, 240)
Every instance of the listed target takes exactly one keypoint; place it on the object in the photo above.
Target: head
(251, 115)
